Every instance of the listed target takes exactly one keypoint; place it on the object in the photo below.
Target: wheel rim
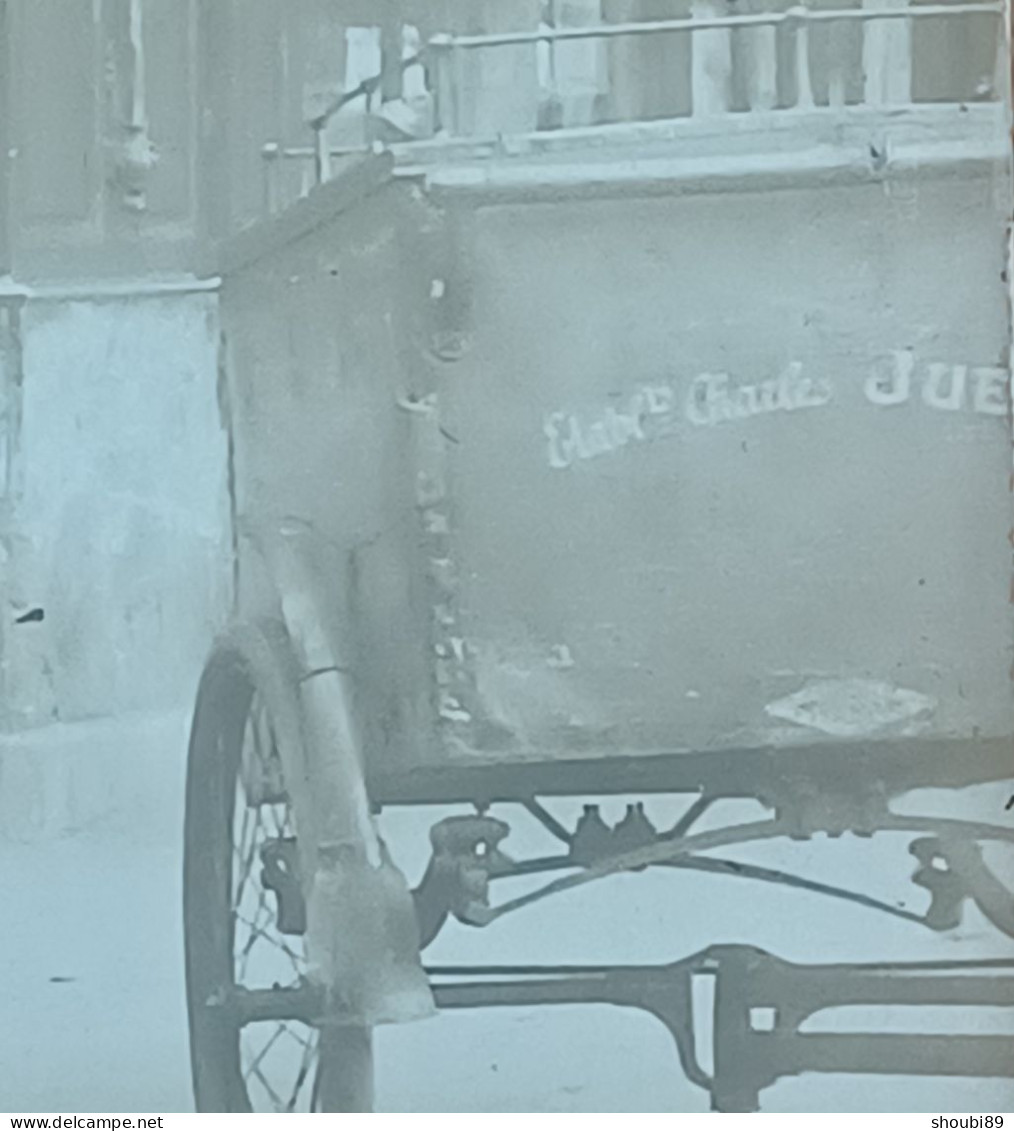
(231, 932)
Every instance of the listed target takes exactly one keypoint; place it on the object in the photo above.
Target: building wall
(113, 520)
(102, 128)
(118, 526)
(136, 129)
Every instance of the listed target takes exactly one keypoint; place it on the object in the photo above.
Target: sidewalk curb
(126, 774)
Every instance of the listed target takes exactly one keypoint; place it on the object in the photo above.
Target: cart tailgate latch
(280, 874)
(952, 872)
(466, 854)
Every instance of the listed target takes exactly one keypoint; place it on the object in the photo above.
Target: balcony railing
(707, 66)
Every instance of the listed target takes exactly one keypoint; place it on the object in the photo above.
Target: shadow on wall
(121, 528)
(131, 608)
(128, 608)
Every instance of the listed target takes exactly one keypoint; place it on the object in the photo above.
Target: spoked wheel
(241, 934)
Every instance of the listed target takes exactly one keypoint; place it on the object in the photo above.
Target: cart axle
(761, 1005)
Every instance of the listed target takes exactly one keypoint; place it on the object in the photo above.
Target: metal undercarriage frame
(805, 794)
(748, 1057)
(758, 1023)
(749, 1054)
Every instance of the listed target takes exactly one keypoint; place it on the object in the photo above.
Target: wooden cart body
(636, 484)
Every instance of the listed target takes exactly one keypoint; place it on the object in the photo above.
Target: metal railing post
(887, 56)
(321, 153)
(457, 83)
(553, 94)
(711, 63)
(441, 83)
(837, 54)
(391, 49)
(804, 82)
(553, 20)
(762, 67)
(271, 157)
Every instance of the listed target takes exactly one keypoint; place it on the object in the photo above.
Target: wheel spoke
(311, 1060)
(276, 1099)
(245, 848)
(258, 932)
(280, 1029)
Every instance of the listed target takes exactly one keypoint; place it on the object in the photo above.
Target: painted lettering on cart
(714, 399)
(571, 439)
(952, 388)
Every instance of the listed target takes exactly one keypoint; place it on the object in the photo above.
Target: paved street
(91, 970)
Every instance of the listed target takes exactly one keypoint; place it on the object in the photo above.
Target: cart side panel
(732, 471)
(322, 342)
